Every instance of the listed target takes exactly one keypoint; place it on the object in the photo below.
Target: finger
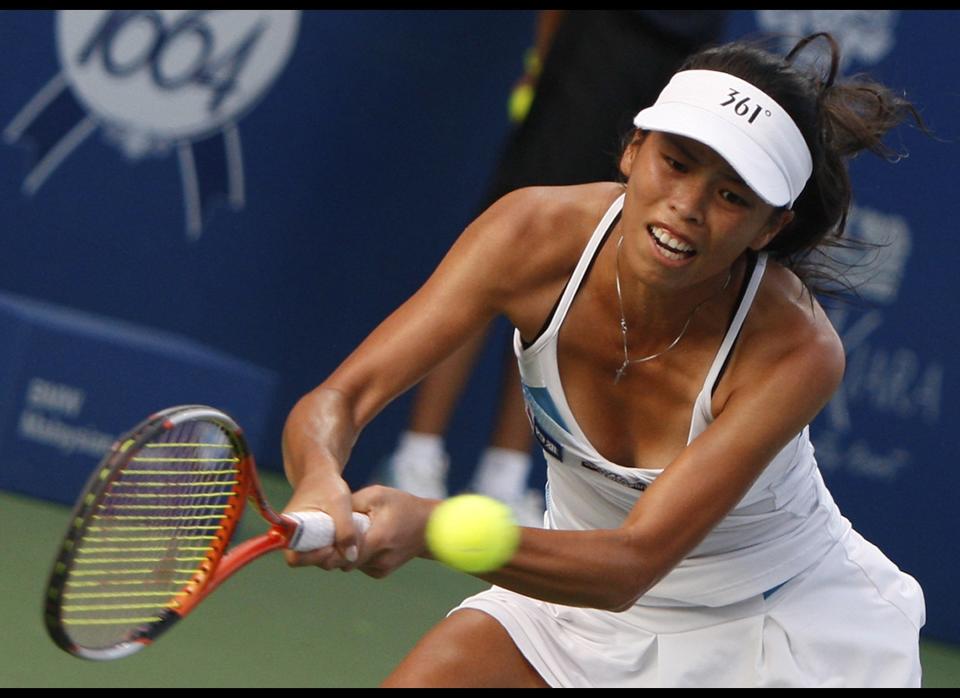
(346, 536)
(326, 558)
(368, 499)
(335, 502)
(364, 502)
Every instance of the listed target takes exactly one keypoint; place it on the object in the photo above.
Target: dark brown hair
(838, 119)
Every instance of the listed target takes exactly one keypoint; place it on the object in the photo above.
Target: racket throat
(239, 557)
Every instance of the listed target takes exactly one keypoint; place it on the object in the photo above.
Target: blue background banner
(74, 381)
(241, 259)
(362, 162)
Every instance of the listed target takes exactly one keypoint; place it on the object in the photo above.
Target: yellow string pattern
(152, 530)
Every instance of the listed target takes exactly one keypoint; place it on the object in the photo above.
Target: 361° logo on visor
(156, 82)
(742, 107)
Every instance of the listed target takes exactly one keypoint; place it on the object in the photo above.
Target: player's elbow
(639, 569)
(623, 604)
(623, 596)
(626, 595)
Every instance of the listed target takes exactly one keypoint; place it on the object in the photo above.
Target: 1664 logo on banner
(156, 82)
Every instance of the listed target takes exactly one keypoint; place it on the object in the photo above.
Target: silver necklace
(623, 321)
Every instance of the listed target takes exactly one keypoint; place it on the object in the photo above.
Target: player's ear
(779, 219)
(630, 152)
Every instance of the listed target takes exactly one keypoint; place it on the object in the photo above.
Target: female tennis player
(672, 354)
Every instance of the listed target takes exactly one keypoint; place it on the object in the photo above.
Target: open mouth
(670, 247)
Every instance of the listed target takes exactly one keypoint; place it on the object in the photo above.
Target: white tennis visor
(745, 126)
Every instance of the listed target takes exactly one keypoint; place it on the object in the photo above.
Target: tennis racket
(148, 538)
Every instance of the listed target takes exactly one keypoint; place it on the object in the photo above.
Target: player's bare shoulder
(537, 235)
(549, 225)
(788, 327)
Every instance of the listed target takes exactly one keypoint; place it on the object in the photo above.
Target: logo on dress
(614, 477)
(156, 82)
(547, 442)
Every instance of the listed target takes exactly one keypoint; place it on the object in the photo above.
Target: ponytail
(838, 119)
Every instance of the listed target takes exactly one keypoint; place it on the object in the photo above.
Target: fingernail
(352, 553)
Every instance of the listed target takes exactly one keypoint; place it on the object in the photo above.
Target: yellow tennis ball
(472, 533)
(518, 106)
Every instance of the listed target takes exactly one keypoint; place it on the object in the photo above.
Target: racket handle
(315, 529)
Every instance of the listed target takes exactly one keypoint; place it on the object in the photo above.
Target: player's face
(688, 215)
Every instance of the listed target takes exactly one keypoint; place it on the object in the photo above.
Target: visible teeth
(677, 248)
(673, 255)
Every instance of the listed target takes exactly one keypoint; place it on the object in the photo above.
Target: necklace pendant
(620, 372)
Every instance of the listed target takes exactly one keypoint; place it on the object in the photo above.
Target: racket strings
(156, 529)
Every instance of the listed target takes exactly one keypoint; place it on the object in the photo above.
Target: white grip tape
(315, 529)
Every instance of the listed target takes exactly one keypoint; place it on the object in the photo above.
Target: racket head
(148, 531)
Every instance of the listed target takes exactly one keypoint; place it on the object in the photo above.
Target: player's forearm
(319, 435)
(547, 23)
(604, 568)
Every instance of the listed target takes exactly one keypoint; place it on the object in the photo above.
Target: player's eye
(675, 164)
(734, 198)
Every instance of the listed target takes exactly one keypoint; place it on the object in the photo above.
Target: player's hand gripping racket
(149, 534)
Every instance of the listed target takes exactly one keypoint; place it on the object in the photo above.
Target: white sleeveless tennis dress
(783, 592)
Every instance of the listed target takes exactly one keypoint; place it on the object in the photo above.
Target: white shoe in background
(502, 473)
(419, 476)
(419, 466)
